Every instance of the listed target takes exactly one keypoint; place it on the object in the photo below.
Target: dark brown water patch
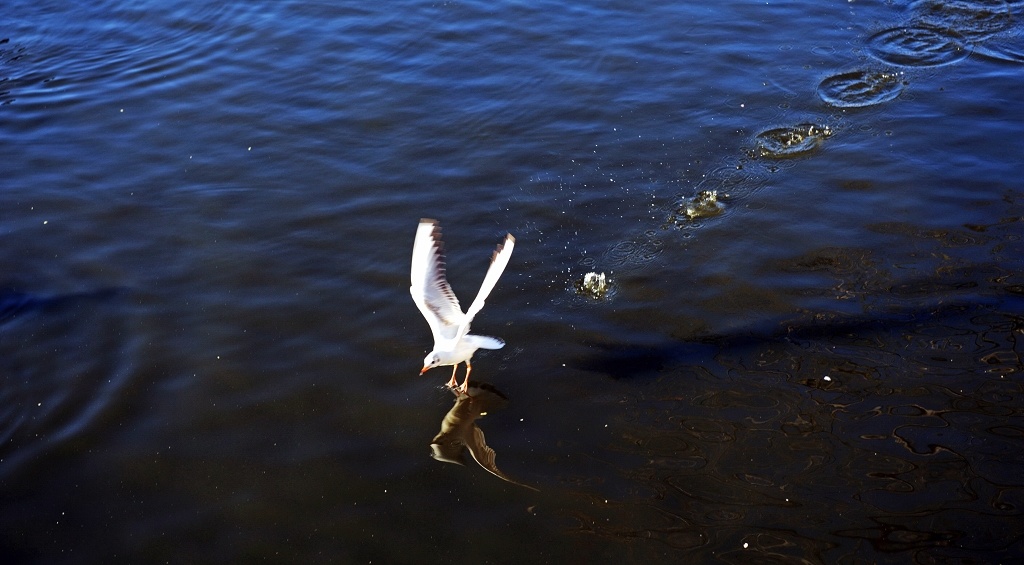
(857, 184)
(721, 491)
(1003, 362)
(951, 237)
(973, 19)
(1008, 431)
(838, 260)
(893, 538)
(632, 522)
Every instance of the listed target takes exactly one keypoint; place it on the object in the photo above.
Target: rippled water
(809, 216)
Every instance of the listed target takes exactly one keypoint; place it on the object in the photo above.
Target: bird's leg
(452, 383)
(465, 384)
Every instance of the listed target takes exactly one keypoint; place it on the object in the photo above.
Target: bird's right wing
(499, 260)
(429, 289)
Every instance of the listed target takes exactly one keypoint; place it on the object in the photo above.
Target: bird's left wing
(484, 455)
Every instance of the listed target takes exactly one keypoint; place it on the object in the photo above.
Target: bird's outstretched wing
(430, 290)
(499, 260)
(484, 456)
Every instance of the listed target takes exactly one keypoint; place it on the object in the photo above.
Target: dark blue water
(810, 216)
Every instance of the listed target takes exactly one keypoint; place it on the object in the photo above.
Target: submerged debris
(592, 285)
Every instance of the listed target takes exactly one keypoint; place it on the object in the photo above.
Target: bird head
(430, 361)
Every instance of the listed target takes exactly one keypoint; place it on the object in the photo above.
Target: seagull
(453, 344)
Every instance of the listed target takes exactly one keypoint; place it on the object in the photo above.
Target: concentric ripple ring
(918, 46)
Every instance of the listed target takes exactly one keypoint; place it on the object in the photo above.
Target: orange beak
(424, 370)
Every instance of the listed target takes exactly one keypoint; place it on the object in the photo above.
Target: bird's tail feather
(485, 341)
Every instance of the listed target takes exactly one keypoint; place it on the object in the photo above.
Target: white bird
(453, 344)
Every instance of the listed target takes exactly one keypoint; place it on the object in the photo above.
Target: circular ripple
(918, 46)
(975, 19)
(860, 88)
(791, 141)
(635, 251)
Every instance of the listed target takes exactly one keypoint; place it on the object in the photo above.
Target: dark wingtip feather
(501, 246)
(435, 234)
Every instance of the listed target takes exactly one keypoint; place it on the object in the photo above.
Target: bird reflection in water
(459, 431)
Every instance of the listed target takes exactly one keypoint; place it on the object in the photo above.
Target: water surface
(208, 352)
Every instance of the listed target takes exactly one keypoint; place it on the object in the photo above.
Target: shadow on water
(460, 431)
(627, 361)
